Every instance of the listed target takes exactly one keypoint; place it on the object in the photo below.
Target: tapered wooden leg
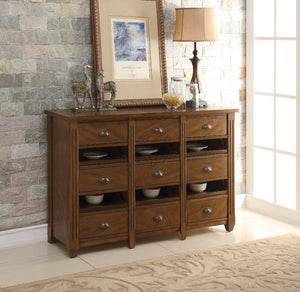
(51, 239)
(73, 253)
(230, 223)
(182, 235)
(131, 240)
(229, 227)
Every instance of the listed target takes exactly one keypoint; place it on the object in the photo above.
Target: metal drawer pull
(207, 210)
(158, 218)
(207, 126)
(103, 133)
(104, 179)
(104, 225)
(158, 173)
(158, 130)
(207, 169)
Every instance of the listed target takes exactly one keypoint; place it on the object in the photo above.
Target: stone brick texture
(43, 46)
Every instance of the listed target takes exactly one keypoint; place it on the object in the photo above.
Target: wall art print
(130, 48)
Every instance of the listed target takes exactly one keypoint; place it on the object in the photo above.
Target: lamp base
(195, 61)
(193, 104)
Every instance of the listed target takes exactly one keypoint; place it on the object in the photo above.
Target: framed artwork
(129, 44)
(131, 55)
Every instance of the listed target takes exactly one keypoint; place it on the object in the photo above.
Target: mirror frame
(97, 52)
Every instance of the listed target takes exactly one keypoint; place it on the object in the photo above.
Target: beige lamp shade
(196, 25)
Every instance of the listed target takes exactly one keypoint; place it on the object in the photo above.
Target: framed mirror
(129, 45)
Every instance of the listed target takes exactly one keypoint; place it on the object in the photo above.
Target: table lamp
(196, 25)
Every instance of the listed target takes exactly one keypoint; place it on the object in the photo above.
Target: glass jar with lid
(176, 95)
(177, 85)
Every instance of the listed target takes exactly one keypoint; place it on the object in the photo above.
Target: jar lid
(177, 78)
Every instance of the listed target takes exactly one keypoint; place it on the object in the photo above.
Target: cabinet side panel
(51, 238)
(60, 180)
(231, 194)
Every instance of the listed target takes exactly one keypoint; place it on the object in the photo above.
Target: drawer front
(206, 209)
(103, 179)
(157, 217)
(157, 173)
(96, 224)
(206, 126)
(208, 168)
(103, 133)
(157, 130)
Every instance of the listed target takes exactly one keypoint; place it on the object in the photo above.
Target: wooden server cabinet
(125, 214)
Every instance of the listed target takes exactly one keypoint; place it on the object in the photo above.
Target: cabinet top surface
(137, 112)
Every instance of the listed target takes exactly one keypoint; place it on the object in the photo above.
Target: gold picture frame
(131, 91)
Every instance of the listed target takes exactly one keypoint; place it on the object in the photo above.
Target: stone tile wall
(43, 45)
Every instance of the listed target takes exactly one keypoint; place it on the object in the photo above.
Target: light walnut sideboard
(125, 214)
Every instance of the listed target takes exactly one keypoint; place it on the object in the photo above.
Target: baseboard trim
(272, 210)
(22, 236)
(240, 201)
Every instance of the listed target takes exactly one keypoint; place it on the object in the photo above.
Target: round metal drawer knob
(158, 173)
(207, 210)
(103, 133)
(104, 179)
(207, 169)
(104, 225)
(158, 130)
(207, 126)
(158, 218)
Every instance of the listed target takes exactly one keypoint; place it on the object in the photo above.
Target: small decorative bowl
(145, 150)
(198, 188)
(94, 155)
(195, 146)
(94, 199)
(173, 100)
(151, 193)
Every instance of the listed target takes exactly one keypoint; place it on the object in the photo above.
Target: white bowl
(198, 188)
(196, 146)
(151, 193)
(94, 155)
(145, 150)
(94, 199)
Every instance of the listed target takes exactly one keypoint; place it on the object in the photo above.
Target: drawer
(206, 126)
(103, 223)
(157, 173)
(97, 179)
(206, 209)
(157, 130)
(206, 168)
(157, 217)
(103, 133)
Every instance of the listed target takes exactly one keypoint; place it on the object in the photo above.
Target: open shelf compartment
(215, 146)
(115, 155)
(110, 201)
(166, 194)
(213, 188)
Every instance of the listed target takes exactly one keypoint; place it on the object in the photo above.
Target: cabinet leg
(51, 240)
(182, 235)
(131, 243)
(229, 227)
(230, 223)
(73, 253)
